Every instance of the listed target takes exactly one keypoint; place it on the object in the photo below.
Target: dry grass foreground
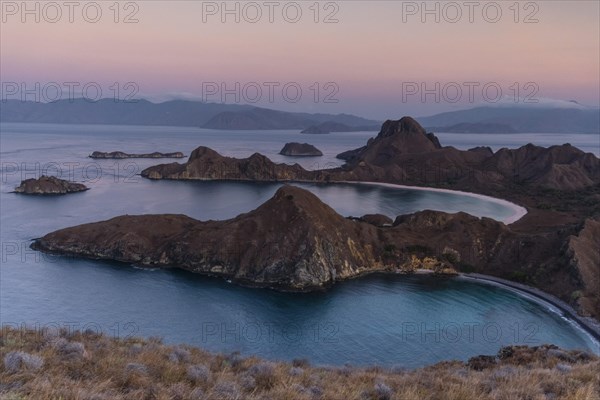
(56, 364)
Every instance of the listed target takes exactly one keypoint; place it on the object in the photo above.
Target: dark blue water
(391, 320)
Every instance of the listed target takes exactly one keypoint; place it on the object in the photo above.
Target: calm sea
(405, 321)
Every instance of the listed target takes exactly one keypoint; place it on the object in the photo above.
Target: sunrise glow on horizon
(371, 53)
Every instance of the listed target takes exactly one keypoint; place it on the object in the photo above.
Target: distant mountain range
(496, 119)
(330, 126)
(170, 113)
(478, 127)
(517, 119)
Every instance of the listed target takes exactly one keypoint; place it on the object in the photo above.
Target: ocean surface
(387, 320)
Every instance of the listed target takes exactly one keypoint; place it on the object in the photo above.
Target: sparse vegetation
(418, 249)
(389, 248)
(35, 367)
(466, 267)
(576, 295)
(519, 276)
(451, 257)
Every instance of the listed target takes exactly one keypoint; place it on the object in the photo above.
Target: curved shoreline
(518, 211)
(588, 324)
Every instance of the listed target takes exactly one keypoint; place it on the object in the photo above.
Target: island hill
(121, 155)
(549, 248)
(49, 185)
(292, 242)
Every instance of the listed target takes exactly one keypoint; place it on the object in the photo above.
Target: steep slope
(559, 167)
(583, 250)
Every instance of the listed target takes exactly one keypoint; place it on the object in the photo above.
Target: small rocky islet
(49, 185)
(300, 150)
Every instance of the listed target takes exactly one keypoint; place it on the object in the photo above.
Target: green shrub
(519, 276)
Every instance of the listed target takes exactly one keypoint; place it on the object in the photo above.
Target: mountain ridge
(519, 119)
(181, 113)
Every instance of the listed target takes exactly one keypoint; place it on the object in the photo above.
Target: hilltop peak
(403, 125)
(290, 201)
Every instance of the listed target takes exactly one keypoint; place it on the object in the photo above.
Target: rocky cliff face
(49, 185)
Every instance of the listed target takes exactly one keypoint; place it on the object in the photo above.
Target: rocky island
(121, 155)
(559, 186)
(49, 185)
(300, 150)
(207, 164)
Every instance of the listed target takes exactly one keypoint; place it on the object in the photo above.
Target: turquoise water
(389, 320)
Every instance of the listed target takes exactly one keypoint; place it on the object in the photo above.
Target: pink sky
(371, 53)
